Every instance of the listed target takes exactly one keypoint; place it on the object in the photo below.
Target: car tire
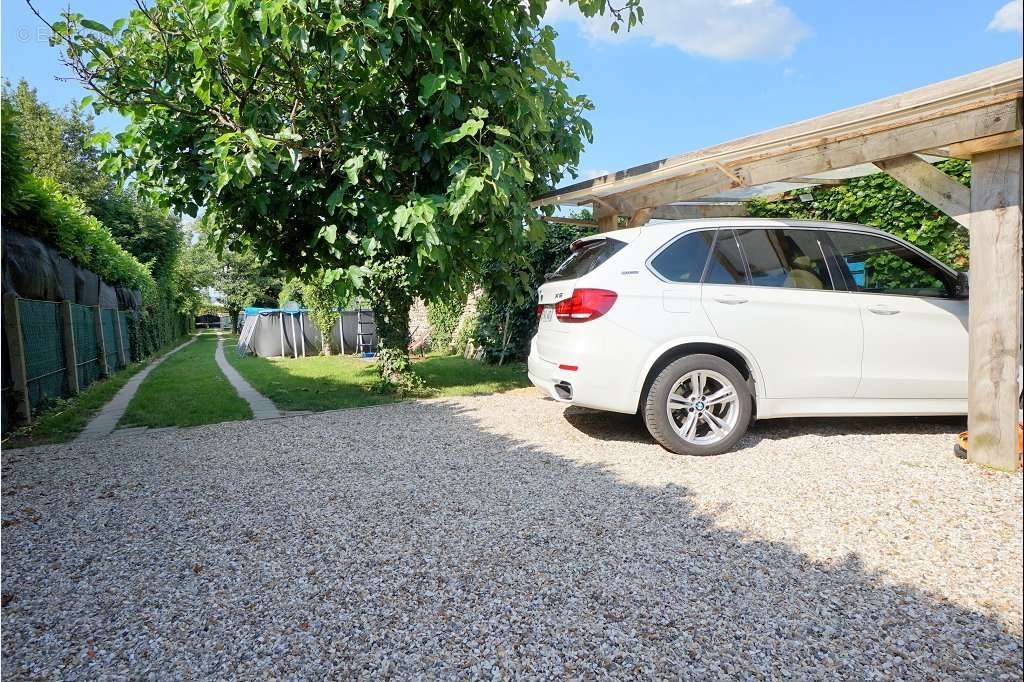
(666, 428)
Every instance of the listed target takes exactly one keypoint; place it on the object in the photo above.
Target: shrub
(322, 302)
(64, 221)
(443, 316)
(507, 320)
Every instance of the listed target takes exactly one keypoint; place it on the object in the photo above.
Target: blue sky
(698, 72)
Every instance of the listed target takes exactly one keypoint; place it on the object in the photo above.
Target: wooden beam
(995, 308)
(814, 181)
(568, 221)
(932, 185)
(729, 174)
(931, 103)
(640, 217)
(867, 145)
(992, 143)
(707, 210)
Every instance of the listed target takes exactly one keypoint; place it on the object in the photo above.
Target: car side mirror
(961, 288)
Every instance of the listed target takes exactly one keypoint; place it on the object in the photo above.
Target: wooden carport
(976, 117)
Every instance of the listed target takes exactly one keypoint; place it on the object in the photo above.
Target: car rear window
(586, 258)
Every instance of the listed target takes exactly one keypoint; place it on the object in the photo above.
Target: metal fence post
(101, 345)
(122, 357)
(70, 354)
(22, 412)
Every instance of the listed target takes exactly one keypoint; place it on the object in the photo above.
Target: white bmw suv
(701, 326)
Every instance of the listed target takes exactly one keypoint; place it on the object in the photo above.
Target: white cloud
(722, 29)
(1009, 17)
(591, 173)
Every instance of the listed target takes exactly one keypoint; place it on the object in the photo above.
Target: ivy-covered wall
(880, 201)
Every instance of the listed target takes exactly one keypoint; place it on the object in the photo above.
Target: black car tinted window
(790, 259)
(726, 264)
(586, 258)
(683, 260)
(879, 265)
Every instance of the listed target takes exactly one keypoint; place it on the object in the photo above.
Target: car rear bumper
(578, 387)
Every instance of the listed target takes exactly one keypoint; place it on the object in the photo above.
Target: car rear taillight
(585, 305)
(540, 311)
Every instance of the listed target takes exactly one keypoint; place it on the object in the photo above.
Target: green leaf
(96, 26)
(329, 233)
(470, 127)
(335, 198)
(254, 138)
(430, 84)
(352, 168)
(392, 5)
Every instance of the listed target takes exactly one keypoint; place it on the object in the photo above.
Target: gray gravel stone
(506, 536)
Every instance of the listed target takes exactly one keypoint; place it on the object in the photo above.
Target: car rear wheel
(698, 405)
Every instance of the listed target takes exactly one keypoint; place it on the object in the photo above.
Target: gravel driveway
(504, 536)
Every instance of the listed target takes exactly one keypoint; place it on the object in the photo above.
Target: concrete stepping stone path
(262, 407)
(105, 421)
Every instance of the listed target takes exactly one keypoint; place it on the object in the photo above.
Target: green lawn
(186, 390)
(65, 419)
(68, 417)
(329, 383)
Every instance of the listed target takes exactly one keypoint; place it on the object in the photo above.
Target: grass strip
(66, 418)
(319, 383)
(188, 389)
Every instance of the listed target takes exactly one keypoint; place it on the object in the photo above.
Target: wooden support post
(995, 308)
(122, 355)
(70, 352)
(22, 412)
(101, 344)
(607, 219)
(931, 184)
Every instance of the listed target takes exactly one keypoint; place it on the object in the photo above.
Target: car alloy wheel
(703, 407)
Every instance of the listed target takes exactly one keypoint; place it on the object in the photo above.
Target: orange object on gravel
(960, 446)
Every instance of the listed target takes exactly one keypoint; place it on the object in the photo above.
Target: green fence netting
(125, 337)
(86, 346)
(110, 338)
(42, 336)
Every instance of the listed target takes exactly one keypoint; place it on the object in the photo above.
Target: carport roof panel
(961, 92)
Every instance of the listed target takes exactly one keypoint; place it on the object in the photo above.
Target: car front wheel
(698, 405)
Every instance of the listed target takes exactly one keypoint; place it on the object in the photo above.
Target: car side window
(726, 263)
(683, 260)
(879, 265)
(790, 259)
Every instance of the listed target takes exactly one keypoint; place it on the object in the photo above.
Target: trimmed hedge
(64, 221)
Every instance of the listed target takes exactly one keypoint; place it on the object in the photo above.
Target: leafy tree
(58, 145)
(291, 290)
(388, 145)
(13, 171)
(243, 281)
(195, 272)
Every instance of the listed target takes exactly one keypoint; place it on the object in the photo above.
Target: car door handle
(882, 310)
(730, 300)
